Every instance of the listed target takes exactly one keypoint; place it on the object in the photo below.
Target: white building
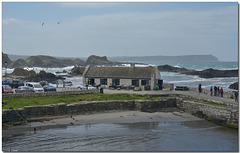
(123, 76)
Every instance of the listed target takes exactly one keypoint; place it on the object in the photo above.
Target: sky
(121, 29)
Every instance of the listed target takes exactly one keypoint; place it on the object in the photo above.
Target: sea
(167, 77)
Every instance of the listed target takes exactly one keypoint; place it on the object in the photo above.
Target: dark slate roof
(120, 72)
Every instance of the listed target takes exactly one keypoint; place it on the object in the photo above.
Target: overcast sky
(120, 29)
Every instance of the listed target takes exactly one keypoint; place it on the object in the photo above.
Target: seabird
(42, 23)
(58, 23)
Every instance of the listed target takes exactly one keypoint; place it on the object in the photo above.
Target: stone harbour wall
(28, 112)
(220, 114)
(225, 115)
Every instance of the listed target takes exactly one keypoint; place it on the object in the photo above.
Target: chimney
(132, 65)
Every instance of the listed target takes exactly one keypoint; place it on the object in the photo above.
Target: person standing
(211, 90)
(236, 96)
(215, 91)
(221, 92)
(200, 88)
(218, 90)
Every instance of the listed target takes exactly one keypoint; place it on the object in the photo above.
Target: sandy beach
(102, 117)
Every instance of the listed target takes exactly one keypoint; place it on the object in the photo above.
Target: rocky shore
(208, 73)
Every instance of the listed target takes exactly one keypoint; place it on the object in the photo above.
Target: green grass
(19, 102)
(212, 103)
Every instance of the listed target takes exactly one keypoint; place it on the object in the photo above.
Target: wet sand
(102, 117)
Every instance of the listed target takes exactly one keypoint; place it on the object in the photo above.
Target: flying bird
(42, 23)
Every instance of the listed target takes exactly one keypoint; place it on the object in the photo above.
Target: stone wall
(74, 92)
(28, 112)
(220, 114)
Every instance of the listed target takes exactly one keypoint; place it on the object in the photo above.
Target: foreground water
(197, 135)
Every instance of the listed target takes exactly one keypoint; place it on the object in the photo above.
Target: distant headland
(49, 61)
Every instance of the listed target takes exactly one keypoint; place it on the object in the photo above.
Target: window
(103, 81)
(144, 82)
(115, 82)
(135, 83)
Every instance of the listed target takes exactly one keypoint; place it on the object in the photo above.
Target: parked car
(89, 87)
(36, 86)
(81, 86)
(7, 89)
(24, 89)
(17, 83)
(49, 88)
(6, 82)
(115, 87)
(43, 83)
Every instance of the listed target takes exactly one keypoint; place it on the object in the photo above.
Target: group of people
(216, 91)
(213, 90)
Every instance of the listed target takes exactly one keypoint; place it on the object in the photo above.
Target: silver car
(24, 89)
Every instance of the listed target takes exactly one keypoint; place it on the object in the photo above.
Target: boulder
(234, 86)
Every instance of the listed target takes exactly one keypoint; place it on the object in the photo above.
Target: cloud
(10, 21)
(88, 4)
(132, 33)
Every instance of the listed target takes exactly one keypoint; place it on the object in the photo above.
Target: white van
(35, 86)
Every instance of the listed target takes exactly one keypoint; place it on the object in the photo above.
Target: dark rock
(22, 72)
(97, 60)
(31, 76)
(77, 70)
(5, 59)
(234, 86)
(19, 63)
(208, 73)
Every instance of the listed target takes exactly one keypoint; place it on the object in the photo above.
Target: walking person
(200, 88)
(236, 96)
(221, 92)
(211, 90)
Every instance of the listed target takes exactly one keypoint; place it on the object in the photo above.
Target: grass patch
(212, 103)
(19, 102)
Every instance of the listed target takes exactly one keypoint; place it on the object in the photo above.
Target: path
(189, 93)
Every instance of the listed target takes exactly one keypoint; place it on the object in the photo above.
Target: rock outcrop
(77, 70)
(208, 73)
(234, 86)
(97, 60)
(5, 59)
(22, 72)
(32, 76)
(43, 76)
(19, 63)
